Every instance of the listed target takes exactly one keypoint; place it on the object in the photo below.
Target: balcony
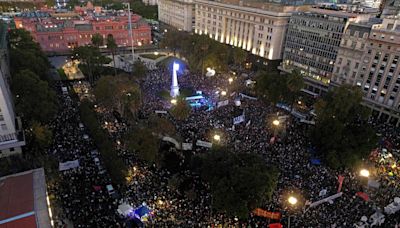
(13, 140)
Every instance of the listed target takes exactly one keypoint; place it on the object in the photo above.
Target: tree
(342, 135)
(238, 56)
(139, 69)
(118, 93)
(42, 135)
(112, 46)
(181, 110)
(271, 86)
(91, 60)
(161, 126)
(24, 48)
(97, 40)
(294, 83)
(33, 97)
(149, 12)
(144, 144)
(239, 182)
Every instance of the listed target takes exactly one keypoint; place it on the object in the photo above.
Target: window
(1, 117)
(4, 127)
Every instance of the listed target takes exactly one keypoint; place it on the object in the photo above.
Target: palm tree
(112, 46)
(97, 40)
(294, 83)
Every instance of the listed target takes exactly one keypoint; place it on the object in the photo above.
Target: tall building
(391, 7)
(255, 26)
(177, 13)
(62, 32)
(369, 58)
(312, 43)
(11, 134)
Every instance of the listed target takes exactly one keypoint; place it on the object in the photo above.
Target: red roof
(26, 222)
(17, 201)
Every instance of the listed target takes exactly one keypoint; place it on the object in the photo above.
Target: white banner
(222, 103)
(247, 96)
(160, 112)
(238, 120)
(327, 199)
(68, 165)
(203, 144)
(187, 146)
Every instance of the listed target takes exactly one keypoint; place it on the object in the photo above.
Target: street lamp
(217, 137)
(364, 173)
(223, 93)
(230, 80)
(276, 122)
(174, 101)
(292, 201)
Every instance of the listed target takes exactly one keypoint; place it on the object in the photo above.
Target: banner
(275, 225)
(68, 165)
(248, 97)
(327, 199)
(187, 146)
(340, 180)
(363, 195)
(222, 103)
(203, 144)
(160, 112)
(267, 214)
(238, 120)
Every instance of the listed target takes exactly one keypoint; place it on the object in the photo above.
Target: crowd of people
(84, 200)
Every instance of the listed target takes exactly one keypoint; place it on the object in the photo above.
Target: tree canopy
(144, 144)
(181, 110)
(275, 88)
(342, 135)
(33, 98)
(118, 93)
(91, 60)
(239, 182)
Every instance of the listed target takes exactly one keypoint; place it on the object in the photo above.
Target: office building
(255, 26)
(312, 43)
(177, 13)
(369, 58)
(11, 133)
(60, 33)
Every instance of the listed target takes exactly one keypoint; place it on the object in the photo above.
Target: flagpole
(131, 35)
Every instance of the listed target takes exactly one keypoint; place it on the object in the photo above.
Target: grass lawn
(151, 56)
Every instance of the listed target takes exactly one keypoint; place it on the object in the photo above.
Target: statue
(174, 86)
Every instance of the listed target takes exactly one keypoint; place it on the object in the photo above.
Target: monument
(174, 86)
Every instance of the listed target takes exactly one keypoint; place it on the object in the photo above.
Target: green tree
(161, 126)
(149, 12)
(112, 46)
(91, 60)
(42, 135)
(181, 110)
(294, 83)
(97, 40)
(271, 86)
(238, 56)
(144, 144)
(33, 97)
(118, 93)
(342, 135)
(72, 3)
(24, 48)
(239, 182)
(139, 69)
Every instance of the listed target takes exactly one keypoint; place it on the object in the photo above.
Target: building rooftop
(23, 200)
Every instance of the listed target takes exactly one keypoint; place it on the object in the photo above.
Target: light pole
(131, 34)
(292, 201)
(364, 173)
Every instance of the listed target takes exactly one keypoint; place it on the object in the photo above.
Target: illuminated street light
(299, 102)
(292, 200)
(174, 101)
(223, 93)
(156, 53)
(160, 202)
(230, 80)
(276, 122)
(217, 137)
(364, 173)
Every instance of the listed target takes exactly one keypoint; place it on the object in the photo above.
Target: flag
(363, 195)
(275, 225)
(340, 180)
(267, 214)
(96, 187)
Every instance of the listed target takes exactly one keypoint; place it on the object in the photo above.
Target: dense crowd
(85, 201)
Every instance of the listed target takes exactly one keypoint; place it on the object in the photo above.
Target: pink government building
(63, 31)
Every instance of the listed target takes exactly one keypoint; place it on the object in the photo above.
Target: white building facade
(369, 57)
(11, 134)
(177, 13)
(256, 27)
